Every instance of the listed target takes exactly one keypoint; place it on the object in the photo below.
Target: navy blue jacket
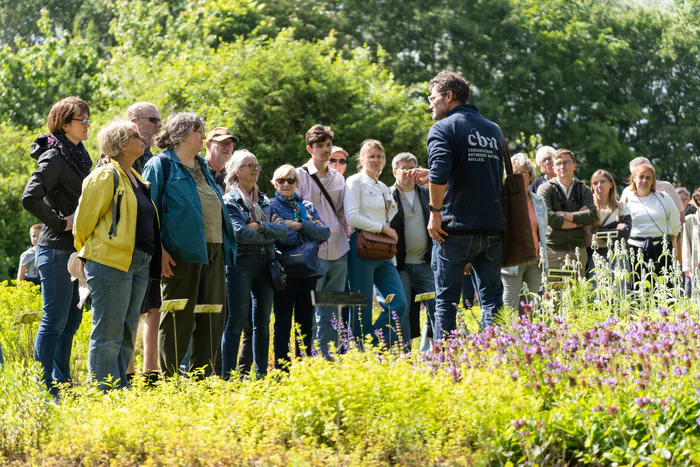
(465, 152)
(248, 240)
(309, 230)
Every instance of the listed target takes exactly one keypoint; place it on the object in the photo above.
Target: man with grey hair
(545, 162)
(413, 250)
(684, 195)
(147, 119)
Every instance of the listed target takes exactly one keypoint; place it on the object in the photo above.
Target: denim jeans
(449, 260)
(294, 299)
(116, 305)
(421, 277)
(250, 274)
(382, 276)
(62, 317)
(335, 280)
(468, 290)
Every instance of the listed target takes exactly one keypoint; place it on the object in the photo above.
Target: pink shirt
(334, 183)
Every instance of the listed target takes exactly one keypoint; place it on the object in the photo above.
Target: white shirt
(368, 204)
(654, 215)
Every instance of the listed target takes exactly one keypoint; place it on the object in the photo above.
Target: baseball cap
(339, 149)
(221, 134)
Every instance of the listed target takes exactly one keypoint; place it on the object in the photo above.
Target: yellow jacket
(93, 218)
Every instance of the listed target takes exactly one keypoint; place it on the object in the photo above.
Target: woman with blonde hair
(370, 207)
(116, 233)
(655, 217)
(613, 216)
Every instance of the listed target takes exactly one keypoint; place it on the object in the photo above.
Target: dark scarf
(77, 152)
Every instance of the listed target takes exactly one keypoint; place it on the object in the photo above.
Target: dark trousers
(294, 299)
(245, 358)
(199, 284)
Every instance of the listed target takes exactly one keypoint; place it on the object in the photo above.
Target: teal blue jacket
(182, 223)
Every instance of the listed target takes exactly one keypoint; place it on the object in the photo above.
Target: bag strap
(315, 178)
(506, 153)
(165, 164)
(113, 229)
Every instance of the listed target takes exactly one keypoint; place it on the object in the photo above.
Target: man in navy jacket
(465, 157)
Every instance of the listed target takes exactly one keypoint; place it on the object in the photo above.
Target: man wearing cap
(220, 143)
(147, 119)
(325, 188)
(338, 160)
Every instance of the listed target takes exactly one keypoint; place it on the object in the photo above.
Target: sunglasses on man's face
(153, 120)
(290, 181)
(338, 161)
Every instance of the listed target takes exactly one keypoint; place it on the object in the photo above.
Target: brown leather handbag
(374, 246)
(518, 243)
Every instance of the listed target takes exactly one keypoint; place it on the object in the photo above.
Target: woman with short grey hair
(529, 273)
(197, 242)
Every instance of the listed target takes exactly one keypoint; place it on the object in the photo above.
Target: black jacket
(398, 224)
(53, 191)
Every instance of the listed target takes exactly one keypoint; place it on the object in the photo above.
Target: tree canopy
(608, 79)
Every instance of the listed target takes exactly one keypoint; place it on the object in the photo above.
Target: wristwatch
(431, 208)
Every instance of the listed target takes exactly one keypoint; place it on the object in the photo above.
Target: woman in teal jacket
(197, 239)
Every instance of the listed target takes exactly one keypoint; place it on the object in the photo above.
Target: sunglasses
(290, 181)
(253, 167)
(84, 121)
(153, 120)
(404, 169)
(338, 161)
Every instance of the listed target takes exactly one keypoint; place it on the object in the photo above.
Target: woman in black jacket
(52, 195)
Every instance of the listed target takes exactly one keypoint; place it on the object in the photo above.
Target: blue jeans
(468, 289)
(384, 278)
(116, 305)
(421, 277)
(250, 274)
(62, 317)
(335, 280)
(449, 260)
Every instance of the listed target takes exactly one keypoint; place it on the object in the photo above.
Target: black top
(53, 190)
(145, 222)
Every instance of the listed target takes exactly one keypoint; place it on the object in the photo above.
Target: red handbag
(374, 246)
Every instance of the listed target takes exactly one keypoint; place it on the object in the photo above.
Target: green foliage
(17, 340)
(15, 168)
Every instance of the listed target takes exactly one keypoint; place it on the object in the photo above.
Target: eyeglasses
(253, 167)
(136, 135)
(547, 159)
(338, 161)
(404, 169)
(431, 99)
(84, 121)
(153, 120)
(290, 181)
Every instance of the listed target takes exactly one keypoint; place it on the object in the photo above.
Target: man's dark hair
(318, 134)
(451, 81)
(564, 152)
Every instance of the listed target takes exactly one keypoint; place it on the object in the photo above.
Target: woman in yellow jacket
(116, 234)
